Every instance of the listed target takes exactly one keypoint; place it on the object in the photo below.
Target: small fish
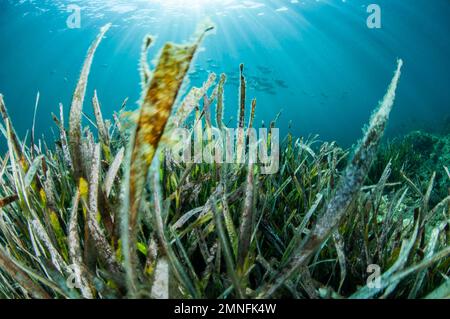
(233, 77)
(344, 95)
(282, 84)
(264, 69)
(194, 75)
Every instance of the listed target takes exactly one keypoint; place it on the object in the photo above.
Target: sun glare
(187, 4)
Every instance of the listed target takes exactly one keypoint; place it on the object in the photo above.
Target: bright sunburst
(188, 4)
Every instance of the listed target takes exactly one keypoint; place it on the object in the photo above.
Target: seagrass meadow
(105, 211)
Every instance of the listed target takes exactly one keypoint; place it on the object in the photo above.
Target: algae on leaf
(347, 189)
(158, 101)
(76, 108)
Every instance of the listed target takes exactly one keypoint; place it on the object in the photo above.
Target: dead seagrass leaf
(76, 109)
(157, 105)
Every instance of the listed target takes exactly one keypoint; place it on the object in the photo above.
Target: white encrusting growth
(350, 185)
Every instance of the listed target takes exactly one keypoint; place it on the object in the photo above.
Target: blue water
(316, 61)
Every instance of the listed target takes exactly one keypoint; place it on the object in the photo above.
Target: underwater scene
(224, 149)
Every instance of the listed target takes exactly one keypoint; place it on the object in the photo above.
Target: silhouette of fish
(264, 69)
(282, 84)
